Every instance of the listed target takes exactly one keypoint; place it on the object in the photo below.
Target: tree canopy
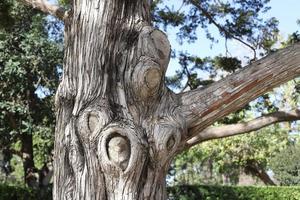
(30, 66)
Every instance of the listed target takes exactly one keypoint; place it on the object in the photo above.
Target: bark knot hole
(92, 122)
(118, 148)
(152, 78)
(171, 142)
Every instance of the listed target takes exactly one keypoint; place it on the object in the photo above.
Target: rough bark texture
(118, 126)
(203, 107)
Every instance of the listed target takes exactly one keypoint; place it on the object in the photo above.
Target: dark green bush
(22, 193)
(178, 193)
(233, 193)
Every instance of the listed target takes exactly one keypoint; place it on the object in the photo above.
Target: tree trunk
(28, 163)
(255, 169)
(30, 175)
(118, 127)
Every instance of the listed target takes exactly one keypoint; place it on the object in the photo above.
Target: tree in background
(225, 161)
(286, 165)
(118, 126)
(29, 73)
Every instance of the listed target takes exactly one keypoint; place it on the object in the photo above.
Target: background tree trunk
(255, 169)
(27, 158)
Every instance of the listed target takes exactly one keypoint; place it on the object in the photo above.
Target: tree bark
(118, 126)
(204, 106)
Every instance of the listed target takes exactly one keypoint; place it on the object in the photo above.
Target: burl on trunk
(118, 126)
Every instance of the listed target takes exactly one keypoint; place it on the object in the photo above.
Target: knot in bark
(147, 79)
(118, 149)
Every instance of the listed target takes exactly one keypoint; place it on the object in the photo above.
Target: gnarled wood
(118, 126)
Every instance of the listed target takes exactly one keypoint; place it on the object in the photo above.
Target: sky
(287, 12)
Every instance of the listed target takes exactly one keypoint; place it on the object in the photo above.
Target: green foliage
(22, 193)
(65, 3)
(168, 16)
(17, 174)
(30, 65)
(5, 19)
(31, 57)
(286, 165)
(228, 156)
(227, 64)
(208, 162)
(233, 193)
(236, 19)
(207, 192)
(292, 39)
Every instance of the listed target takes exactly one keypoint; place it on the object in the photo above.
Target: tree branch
(203, 107)
(47, 8)
(254, 168)
(244, 127)
(223, 30)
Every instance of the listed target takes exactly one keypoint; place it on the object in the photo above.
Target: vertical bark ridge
(99, 32)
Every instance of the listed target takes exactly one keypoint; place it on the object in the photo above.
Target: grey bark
(204, 106)
(118, 126)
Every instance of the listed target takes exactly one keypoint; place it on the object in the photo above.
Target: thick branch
(203, 107)
(255, 169)
(245, 127)
(47, 8)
